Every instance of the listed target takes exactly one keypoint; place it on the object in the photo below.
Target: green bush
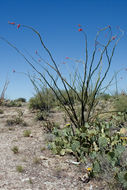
(104, 96)
(13, 103)
(17, 120)
(120, 103)
(40, 116)
(43, 100)
(65, 100)
(20, 100)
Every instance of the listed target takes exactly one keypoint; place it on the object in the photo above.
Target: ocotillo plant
(83, 79)
(2, 96)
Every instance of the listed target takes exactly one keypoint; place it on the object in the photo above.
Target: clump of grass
(30, 181)
(11, 129)
(43, 148)
(58, 171)
(27, 133)
(1, 111)
(37, 160)
(19, 169)
(15, 150)
(13, 103)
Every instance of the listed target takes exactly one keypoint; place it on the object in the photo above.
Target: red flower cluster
(18, 26)
(80, 29)
(114, 37)
(66, 57)
(13, 23)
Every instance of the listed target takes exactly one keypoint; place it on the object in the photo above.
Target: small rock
(31, 135)
(43, 158)
(26, 179)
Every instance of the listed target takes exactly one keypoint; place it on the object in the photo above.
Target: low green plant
(37, 160)
(26, 133)
(43, 148)
(1, 111)
(19, 169)
(41, 115)
(17, 120)
(49, 126)
(30, 181)
(95, 142)
(10, 122)
(15, 149)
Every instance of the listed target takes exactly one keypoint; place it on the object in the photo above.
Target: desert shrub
(120, 103)
(13, 103)
(17, 120)
(66, 100)
(49, 126)
(20, 100)
(104, 97)
(40, 116)
(43, 100)
(10, 122)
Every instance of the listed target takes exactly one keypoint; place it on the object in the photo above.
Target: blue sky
(57, 21)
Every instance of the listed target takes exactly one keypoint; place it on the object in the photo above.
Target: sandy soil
(41, 169)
